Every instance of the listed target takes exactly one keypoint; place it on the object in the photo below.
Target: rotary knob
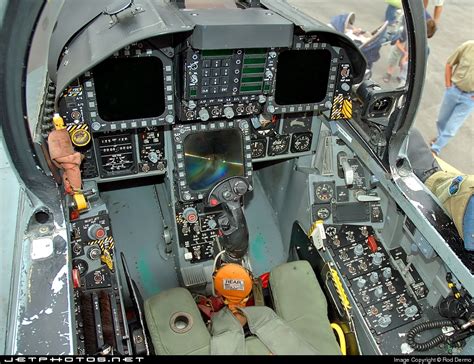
(377, 258)
(229, 112)
(203, 114)
(268, 74)
(361, 282)
(378, 292)
(94, 252)
(96, 231)
(387, 273)
(212, 224)
(152, 157)
(191, 105)
(358, 250)
(374, 277)
(190, 214)
(384, 321)
(262, 99)
(411, 311)
(240, 188)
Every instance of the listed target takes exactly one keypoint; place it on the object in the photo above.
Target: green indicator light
(266, 87)
(250, 88)
(252, 79)
(217, 52)
(255, 60)
(253, 70)
(193, 92)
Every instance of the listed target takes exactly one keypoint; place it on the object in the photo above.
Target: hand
(448, 85)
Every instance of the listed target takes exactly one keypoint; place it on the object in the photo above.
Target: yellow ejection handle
(58, 122)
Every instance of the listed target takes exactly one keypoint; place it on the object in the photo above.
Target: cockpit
(210, 158)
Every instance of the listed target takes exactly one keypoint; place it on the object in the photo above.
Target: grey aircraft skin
(250, 135)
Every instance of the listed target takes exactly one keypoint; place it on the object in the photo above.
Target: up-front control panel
(224, 83)
(386, 294)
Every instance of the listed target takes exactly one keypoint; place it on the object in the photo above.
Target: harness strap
(280, 339)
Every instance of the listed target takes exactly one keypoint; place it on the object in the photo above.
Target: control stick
(234, 234)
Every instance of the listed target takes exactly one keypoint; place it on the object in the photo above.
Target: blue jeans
(456, 107)
(391, 14)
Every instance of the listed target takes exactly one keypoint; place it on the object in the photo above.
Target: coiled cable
(425, 326)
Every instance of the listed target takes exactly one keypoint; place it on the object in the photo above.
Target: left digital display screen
(212, 156)
(129, 88)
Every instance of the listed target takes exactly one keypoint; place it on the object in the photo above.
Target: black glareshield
(234, 234)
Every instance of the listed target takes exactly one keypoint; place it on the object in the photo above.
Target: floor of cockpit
(137, 227)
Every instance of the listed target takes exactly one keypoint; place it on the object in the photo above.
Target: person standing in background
(458, 99)
(438, 9)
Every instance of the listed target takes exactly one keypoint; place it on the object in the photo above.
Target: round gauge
(278, 145)
(323, 213)
(301, 142)
(258, 148)
(80, 137)
(331, 231)
(324, 192)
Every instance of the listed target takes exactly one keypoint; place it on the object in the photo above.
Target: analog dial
(324, 192)
(323, 213)
(279, 145)
(259, 148)
(301, 142)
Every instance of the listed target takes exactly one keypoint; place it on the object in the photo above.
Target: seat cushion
(253, 346)
(159, 311)
(299, 300)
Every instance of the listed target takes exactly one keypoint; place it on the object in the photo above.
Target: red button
(214, 202)
(100, 233)
(372, 243)
(192, 218)
(74, 214)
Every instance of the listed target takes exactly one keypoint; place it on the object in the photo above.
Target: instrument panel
(119, 113)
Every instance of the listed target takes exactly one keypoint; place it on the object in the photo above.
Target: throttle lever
(346, 168)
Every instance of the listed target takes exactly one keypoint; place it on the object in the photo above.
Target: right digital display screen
(302, 76)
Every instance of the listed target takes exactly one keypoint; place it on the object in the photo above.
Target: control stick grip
(235, 234)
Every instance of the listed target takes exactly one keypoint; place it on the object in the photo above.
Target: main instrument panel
(118, 111)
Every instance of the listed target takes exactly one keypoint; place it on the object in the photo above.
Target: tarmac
(456, 26)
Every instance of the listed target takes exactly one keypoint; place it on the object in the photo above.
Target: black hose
(425, 326)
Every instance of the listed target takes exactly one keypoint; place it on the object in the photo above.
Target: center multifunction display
(208, 153)
(117, 113)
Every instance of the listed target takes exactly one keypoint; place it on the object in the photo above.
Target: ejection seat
(176, 326)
